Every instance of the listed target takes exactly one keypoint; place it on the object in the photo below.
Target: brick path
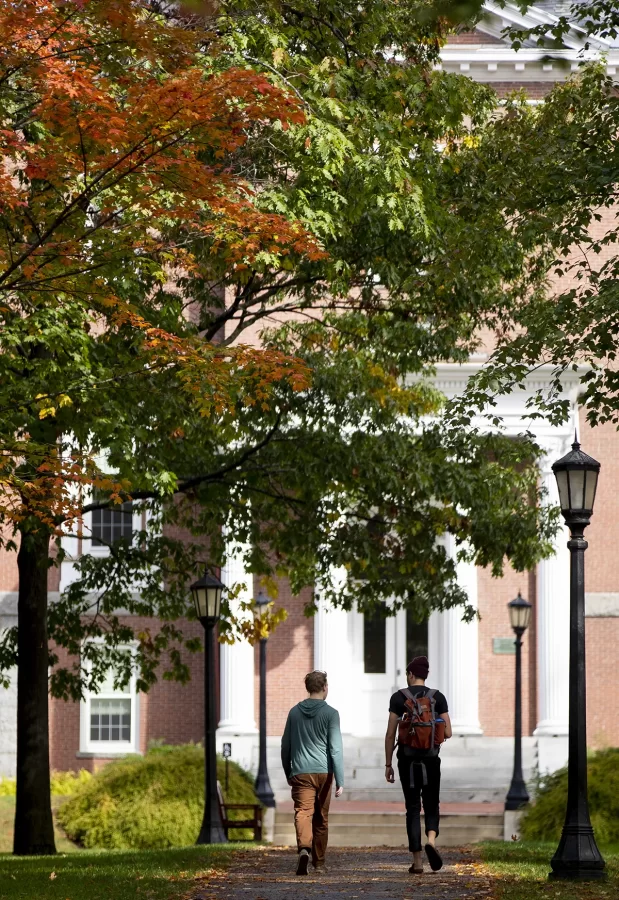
(372, 873)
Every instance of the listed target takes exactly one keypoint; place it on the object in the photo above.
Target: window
(374, 643)
(111, 525)
(416, 637)
(109, 719)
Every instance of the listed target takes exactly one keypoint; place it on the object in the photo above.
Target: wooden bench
(255, 822)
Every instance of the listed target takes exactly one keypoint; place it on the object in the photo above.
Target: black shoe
(434, 858)
(303, 862)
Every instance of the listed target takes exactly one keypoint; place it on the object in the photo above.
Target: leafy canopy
(350, 482)
(553, 170)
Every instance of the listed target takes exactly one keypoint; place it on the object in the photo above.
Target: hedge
(544, 820)
(149, 802)
(62, 783)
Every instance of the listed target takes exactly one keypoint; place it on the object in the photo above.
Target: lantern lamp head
(206, 594)
(577, 478)
(519, 613)
(261, 602)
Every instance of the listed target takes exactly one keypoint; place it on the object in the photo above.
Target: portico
(366, 657)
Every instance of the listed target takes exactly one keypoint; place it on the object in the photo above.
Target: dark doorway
(416, 637)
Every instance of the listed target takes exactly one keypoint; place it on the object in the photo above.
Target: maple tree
(116, 126)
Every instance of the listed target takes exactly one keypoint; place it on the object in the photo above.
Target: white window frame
(88, 547)
(111, 748)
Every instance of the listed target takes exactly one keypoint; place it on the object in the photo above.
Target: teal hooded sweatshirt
(312, 741)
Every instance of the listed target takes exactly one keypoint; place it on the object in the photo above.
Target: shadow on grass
(7, 816)
(115, 875)
(521, 865)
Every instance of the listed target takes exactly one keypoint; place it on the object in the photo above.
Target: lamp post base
(212, 830)
(577, 857)
(517, 796)
(264, 791)
(212, 834)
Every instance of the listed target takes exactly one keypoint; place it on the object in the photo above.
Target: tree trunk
(34, 829)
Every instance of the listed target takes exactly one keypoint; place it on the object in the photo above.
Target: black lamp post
(577, 856)
(262, 785)
(519, 617)
(207, 598)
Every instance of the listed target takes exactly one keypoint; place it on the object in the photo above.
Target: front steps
(474, 769)
(363, 827)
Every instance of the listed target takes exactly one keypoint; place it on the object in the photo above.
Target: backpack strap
(424, 773)
(408, 694)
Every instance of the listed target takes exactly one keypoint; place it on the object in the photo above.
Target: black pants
(413, 795)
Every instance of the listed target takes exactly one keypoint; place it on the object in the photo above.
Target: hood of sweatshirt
(309, 708)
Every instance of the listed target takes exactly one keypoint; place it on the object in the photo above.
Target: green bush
(544, 820)
(149, 802)
(62, 783)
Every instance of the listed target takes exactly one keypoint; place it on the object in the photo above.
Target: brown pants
(312, 795)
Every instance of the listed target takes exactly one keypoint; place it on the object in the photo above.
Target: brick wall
(602, 572)
(602, 575)
(170, 711)
(8, 566)
(474, 37)
(176, 712)
(536, 90)
(290, 657)
(497, 671)
(602, 682)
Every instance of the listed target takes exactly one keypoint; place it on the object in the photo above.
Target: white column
(553, 621)
(333, 655)
(238, 723)
(453, 648)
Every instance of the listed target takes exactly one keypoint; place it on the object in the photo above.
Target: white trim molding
(111, 747)
(600, 604)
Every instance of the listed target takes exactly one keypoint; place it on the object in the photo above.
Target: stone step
(378, 829)
(472, 769)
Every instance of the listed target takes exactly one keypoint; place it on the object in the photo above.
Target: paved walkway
(365, 873)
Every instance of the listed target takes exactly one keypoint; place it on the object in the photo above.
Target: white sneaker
(303, 863)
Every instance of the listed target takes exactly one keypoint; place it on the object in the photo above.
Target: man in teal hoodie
(312, 756)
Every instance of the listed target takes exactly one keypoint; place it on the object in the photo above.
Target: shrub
(148, 802)
(62, 783)
(544, 820)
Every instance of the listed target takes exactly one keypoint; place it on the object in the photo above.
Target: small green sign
(504, 645)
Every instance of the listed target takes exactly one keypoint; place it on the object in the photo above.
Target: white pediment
(499, 16)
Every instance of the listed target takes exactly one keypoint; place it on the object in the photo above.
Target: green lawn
(76, 874)
(523, 869)
(115, 874)
(7, 815)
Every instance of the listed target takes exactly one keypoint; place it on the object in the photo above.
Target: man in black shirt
(426, 779)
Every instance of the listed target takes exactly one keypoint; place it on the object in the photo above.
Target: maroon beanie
(419, 667)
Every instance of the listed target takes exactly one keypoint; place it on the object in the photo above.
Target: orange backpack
(419, 728)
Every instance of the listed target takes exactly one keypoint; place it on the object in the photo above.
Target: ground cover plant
(149, 802)
(544, 820)
(522, 868)
(156, 875)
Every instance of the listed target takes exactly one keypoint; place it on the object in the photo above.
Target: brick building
(472, 663)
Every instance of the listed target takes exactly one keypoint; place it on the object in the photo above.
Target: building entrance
(382, 647)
